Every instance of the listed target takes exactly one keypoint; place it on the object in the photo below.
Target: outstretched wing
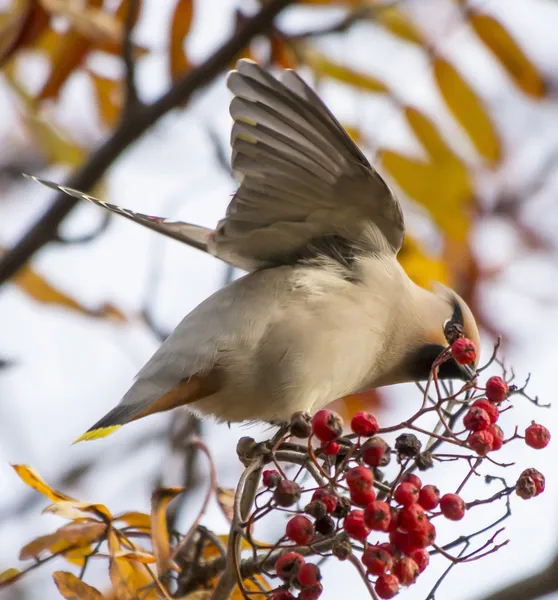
(193, 235)
(301, 176)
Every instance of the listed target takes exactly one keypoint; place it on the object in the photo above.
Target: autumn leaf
(398, 24)
(352, 403)
(323, 66)
(468, 109)
(73, 588)
(445, 189)
(428, 135)
(29, 476)
(225, 498)
(20, 27)
(512, 58)
(138, 520)
(109, 98)
(137, 555)
(76, 535)
(9, 576)
(422, 267)
(74, 509)
(159, 530)
(180, 27)
(281, 54)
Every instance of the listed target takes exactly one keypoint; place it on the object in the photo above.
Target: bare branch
(131, 101)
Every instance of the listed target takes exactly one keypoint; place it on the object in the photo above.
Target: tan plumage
(326, 309)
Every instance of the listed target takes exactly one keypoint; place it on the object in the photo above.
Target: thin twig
(131, 100)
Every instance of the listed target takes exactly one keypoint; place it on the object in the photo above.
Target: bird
(325, 308)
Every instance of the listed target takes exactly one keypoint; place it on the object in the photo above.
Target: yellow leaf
(159, 532)
(181, 24)
(41, 290)
(73, 509)
(429, 136)
(325, 67)
(12, 26)
(73, 535)
(73, 588)
(225, 498)
(138, 520)
(9, 576)
(445, 190)
(468, 109)
(109, 98)
(399, 24)
(55, 146)
(512, 58)
(137, 555)
(29, 476)
(423, 268)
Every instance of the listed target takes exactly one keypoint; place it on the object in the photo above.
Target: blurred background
(455, 103)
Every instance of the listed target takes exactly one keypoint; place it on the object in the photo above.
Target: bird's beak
(467, 371)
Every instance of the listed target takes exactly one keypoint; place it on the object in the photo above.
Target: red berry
(364, 423)
(363, 497)
(537, 436)
(389, 548)
(412, 518)
(482, 442)
(355, 526)
(497, 435)
(282, 595)
(421, 557)
(452, 507)
(406, 493)
(412, 478)
(377, 560)
(402, 541)
(463, 351)
(359, 479)
(288, 564)
(375, 452)
(377, 516)
(308, 575)
(496, 389)
(311, 593)
(406, 570)
(422, 537)
(271, 478)
(429, 497)
(331, 448)
(387, 586)
(329, 500)
(490, 408)
(300, 530)
(476, 419)
(327, 425)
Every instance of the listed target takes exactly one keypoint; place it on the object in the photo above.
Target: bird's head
(446, 311)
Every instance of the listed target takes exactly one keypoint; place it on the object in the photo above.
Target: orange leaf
(9, 576)
(29, 476)
(500, 42)
(325, 67)
(181, 23)
(127, 577)
(73, 535)
(68, 55)
(225, 498)
(468, 109)
(12, 27)
(73, 588)
(399, 24)
(159, 532)
(109, 98)
(352, 403)
(138, 520)
(281, 54)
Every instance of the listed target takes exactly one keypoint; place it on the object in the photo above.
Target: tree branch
(130, 130)
(131, 101)
(530, 588)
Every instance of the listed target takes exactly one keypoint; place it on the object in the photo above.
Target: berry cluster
(353, 510)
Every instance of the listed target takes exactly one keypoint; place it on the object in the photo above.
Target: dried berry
(531, 483)
(329, 500)
(452, 507)
(287, 493)
(377, 560)
(343, 508)
(325, 525)
(364, 423)
(482, 442)
(271, 479)
(300, 530)
(327, 425)
(497, 436)
(491, 409)
(421, 557)
(476, 419)
(301, 424)
(288, 564)
(406, 570)
(375, 452)
(407, 444)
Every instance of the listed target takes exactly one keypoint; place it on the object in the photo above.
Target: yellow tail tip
(96, 434)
